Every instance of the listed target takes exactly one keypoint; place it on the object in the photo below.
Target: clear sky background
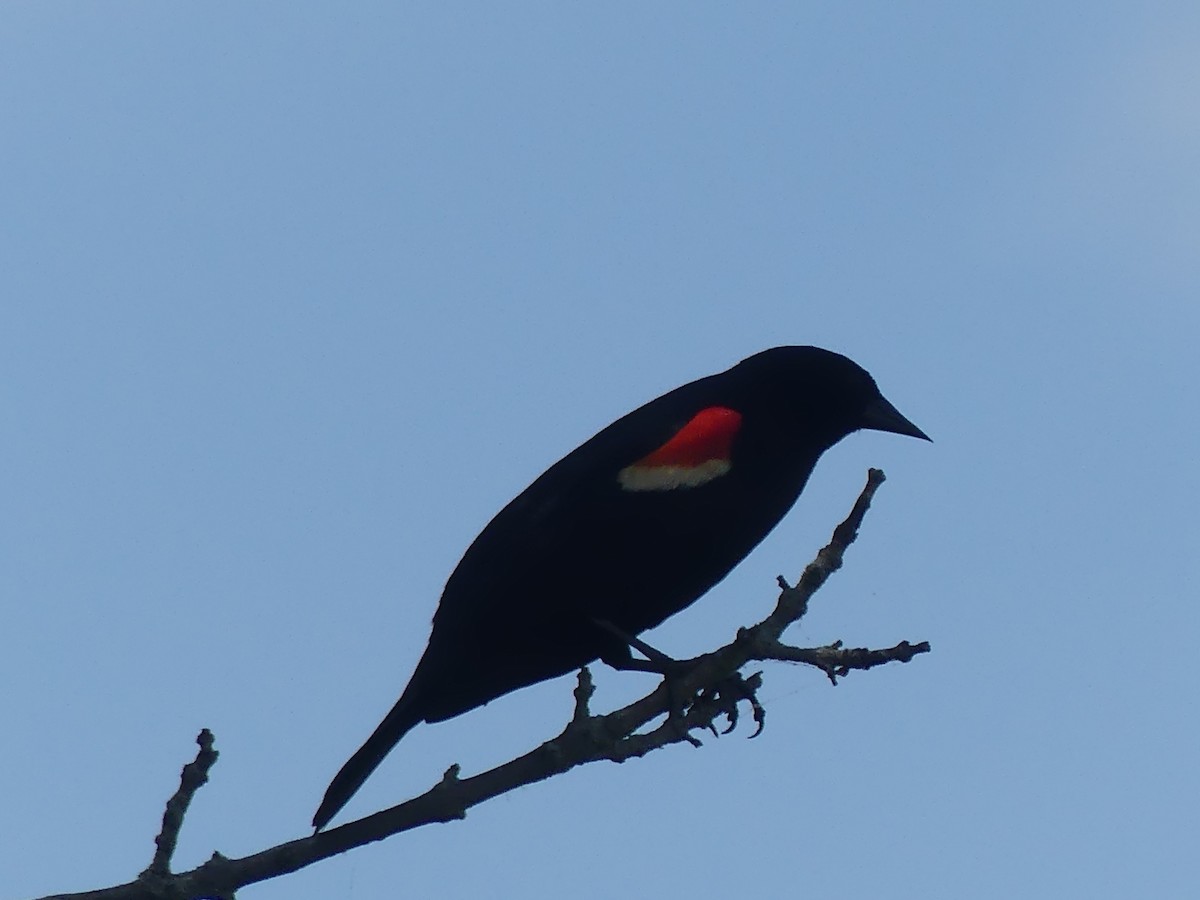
(294, 297)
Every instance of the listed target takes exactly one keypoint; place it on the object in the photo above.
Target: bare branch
(711, 681)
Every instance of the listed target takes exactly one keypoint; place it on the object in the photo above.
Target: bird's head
(818, 394)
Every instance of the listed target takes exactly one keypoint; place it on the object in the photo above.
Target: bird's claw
(727, 693)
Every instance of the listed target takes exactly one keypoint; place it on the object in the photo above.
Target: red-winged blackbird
(626, 530)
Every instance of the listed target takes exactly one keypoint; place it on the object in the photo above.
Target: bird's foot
(723, 696)
(717, 699)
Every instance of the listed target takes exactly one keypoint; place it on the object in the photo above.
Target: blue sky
(295, 297)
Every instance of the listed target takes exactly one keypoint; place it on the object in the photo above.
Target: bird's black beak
(882, 416)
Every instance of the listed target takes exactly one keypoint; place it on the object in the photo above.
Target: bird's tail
(358, 768)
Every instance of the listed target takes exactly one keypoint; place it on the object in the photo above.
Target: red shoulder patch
(696, 454)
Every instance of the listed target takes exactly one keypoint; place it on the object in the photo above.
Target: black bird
(626, 530)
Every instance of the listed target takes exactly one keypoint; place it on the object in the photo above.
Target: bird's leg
(726, 693)
(656, 661)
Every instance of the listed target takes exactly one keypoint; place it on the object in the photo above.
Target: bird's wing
(675, 441)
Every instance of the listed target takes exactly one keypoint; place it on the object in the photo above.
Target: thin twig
(191, 779)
